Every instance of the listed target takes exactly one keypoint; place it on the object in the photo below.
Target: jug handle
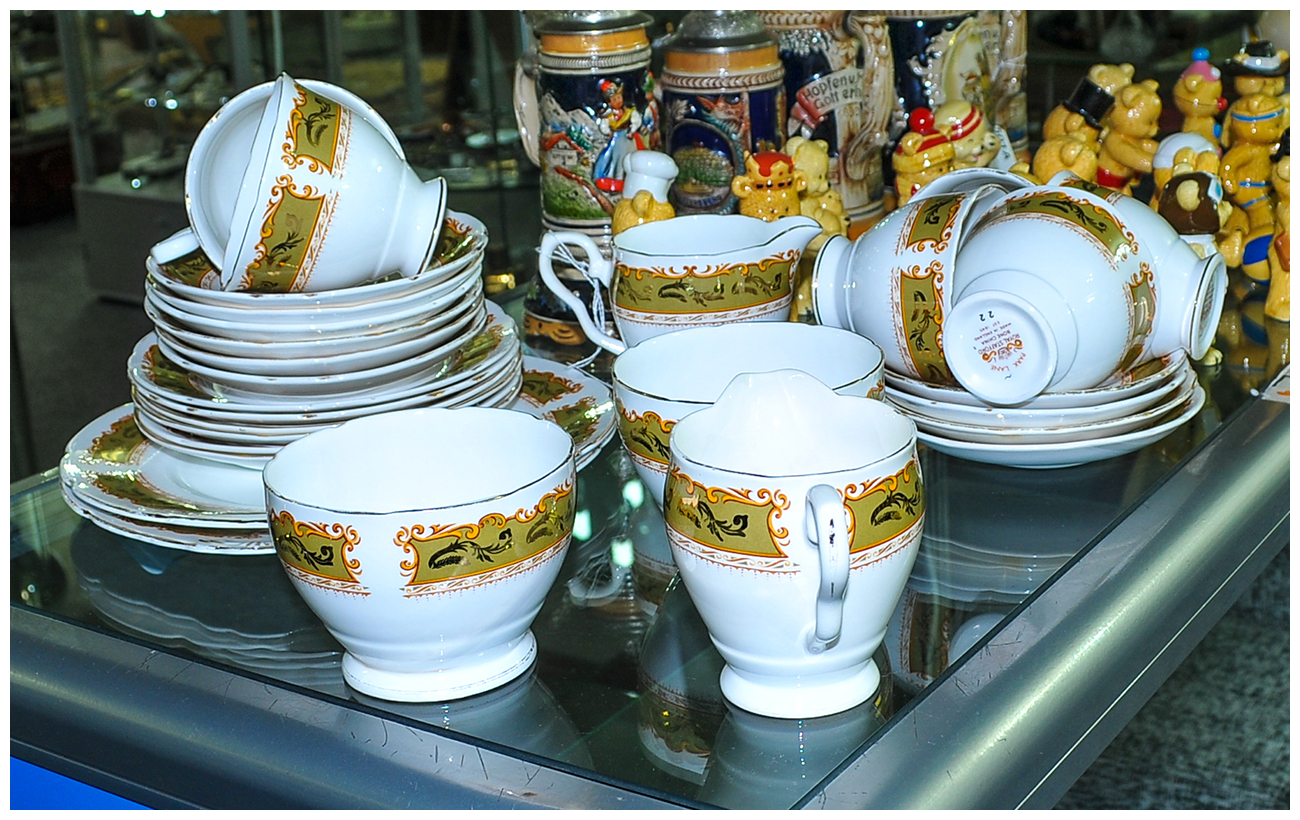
(826, 526)
(599, 269)
(526, 114)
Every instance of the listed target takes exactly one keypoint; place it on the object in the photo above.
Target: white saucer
(1064, 454)
(191, 539)
(580, 403)
(987, 416)
(1138, 380)
(111, 463)
(1048, 435)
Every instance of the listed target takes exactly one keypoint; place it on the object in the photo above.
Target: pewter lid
(599, 21)
(725, 30)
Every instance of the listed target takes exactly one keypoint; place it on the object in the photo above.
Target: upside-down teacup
(326, 202)
(794, 516)
(426, 541)
(1059, 290)
(689, 271)
(893, 283)
(662, 380)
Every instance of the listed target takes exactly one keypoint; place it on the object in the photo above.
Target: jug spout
(793, 233)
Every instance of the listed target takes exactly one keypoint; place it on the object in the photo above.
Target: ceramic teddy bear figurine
(1075, 149)
(1129, 147)
(1254, 128)
(923, 154)
(974, 142)
(1096, 92)
(769, 188)
(1193, 204)
(818, 199)
(1176, 150)
(1258, 68)
(1278, 303)
(1198, 94)
(647, 175)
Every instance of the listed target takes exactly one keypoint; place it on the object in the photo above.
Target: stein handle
(527, 116)
(827, 528)
(599, 270)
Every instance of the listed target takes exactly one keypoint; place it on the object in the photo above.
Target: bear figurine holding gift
(1128, 149)
(923, 155)
(769, 188)
(1198, 95)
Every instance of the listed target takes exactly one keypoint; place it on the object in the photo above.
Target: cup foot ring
(489, 670)
(800, 696)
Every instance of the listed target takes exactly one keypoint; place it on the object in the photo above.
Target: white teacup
(893, 284)
(224, 147)
(426, 541)
(1057, 289)
(662, 380)
(794, 516)
(689, 271)
(326, 202)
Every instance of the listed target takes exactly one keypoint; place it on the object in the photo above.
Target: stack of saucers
(207, 415)
(1063, 429)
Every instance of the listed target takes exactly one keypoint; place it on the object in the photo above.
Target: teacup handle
(599, 269)
(827, 527)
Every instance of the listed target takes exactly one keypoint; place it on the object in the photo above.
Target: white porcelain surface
(222, 151)
(1070, 432)
(456, 224)
(445, 611)
(189, 490)
(688, 250)
(893, 284)
(250, 329)
(375, 216)
(1065, 454)
(1132, 383)
(1027, 417)
(580, 403)
(1060, 288)
(796, 591)
(673, 375)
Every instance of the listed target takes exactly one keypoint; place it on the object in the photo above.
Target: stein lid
(597, 21)
(722, 30)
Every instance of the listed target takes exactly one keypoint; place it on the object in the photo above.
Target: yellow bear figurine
(1096, 92)
(1258, 68)
(647, 175)
(1278, 304)
(974, 143)
(1128, 149)
(1254, 127)
(923, 154)
(1198, 94)
(818, 199)
(769, 188)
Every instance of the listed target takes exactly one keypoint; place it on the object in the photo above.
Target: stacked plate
(1054, 429)
(130, 486)
(198, 413)
(578, 402)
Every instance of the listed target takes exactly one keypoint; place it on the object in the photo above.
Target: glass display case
(183, 679)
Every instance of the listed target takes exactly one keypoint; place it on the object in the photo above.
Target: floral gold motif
(1094, 220)
(579, 419)
(694, 289)
(565, 333)
(292, 219)
(738, 521)
(121, 443)
(542, 388)
(191, 269)
(315, 131)
(645, 434)
(1141, 292)
(933, 223)
(318, 553)
(440, 553)
(170, 376)
(882, 509)
(920, 300)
